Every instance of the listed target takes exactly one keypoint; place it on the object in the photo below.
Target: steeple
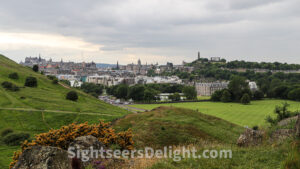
(118, 65)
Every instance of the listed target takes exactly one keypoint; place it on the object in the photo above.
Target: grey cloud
(178, 26)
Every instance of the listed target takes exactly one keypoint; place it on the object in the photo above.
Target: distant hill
(165, 126)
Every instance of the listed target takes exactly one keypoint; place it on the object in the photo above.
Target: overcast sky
(108, 31)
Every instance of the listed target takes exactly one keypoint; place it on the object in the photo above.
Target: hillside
(36, 110)
(176, 126)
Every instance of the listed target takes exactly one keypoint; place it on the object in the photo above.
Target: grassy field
(48, 97)
(244, 115)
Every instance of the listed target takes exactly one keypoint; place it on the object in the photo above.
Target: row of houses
(207, 89)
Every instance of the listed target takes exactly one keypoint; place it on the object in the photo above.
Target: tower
(198, 55)
(117, 65)
(139, 62)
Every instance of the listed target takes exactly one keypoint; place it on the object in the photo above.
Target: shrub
(6, 131)
(51, 77)
(257, 95)
(190, 92)
(62, 137)
(72, 95)
(216, 96)
(282, 112)
(226, 96)
(294, 94)
(245, 99)
(55, 81)
(13, 76)
(255, 127)
(35, 68)
(14, 139)
(31, 82)
(10, 86)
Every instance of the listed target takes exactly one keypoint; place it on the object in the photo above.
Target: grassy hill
(165, 126)
(243, 115)
(175, 126)
(36, 110)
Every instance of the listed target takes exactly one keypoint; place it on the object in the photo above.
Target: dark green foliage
(35, 68)
(190, 92)
(258, 95)
(175, 97)
(245, 99)
(13, 76)
(149, 95)
(51, 77)
(122, 91)
(282, 112)
(67, 82)
(294, 94)
(10, 86)
(255, 127)
(14, 139)
(237, 87)
(31, 82)
(72, 95)
(216, 96)
(137, 92)
(55, 81)
(226, 96)
(6, 131)
(93, 89)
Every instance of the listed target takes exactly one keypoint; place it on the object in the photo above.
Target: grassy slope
(46, 96)
(174, 126)
(244, 115)
(185, 127)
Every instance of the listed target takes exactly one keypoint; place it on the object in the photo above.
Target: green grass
(244, 115)
(176, 126)
(46, 96)
(165, 126)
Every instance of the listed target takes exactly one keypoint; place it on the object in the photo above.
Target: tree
(245, 99)
(10, 86)
(216, 96)
(294, 94)
(226, 96)
(237, 87)
(122, 91)
(137, 92)
(149, 95)
(72, 95)
(35, 68)
(31, 82)
(93, 89)
(190, 92)
(175, 97)
(257, 95)
(13, 76)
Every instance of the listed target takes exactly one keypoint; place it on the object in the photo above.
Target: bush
(14, 139)
(51, 77)
(10, 86)
(31, 82)
(255, 127)
(35, 68)
(294, 94)
(13, 76)
(257, 95)
(6, 131)
(55, 81)
(216, 96)
(190, 92)
(226, 96)
(72, 95)
(245, 99)
(62, 137)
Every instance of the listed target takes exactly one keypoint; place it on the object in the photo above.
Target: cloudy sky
(154, 30)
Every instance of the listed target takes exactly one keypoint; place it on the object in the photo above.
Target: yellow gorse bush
(62, 137)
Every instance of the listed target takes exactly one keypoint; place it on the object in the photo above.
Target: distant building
(215, 59)
(166, 96)
(207, 89)
(253, 86)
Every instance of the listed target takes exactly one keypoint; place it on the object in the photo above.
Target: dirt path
(54, 111)
(132, 109)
